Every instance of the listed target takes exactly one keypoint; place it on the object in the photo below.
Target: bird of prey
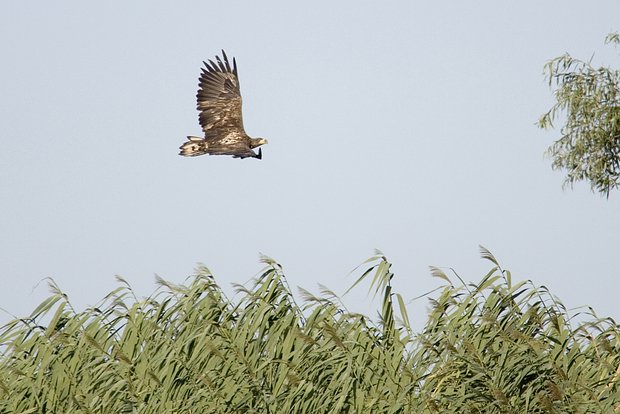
(219, 105)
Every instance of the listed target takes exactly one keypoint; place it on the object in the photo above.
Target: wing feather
(219, 98)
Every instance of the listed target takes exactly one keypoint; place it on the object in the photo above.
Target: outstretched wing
(219, 98)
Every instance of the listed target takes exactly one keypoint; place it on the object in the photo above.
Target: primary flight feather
(219, 107)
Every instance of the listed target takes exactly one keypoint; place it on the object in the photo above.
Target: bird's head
(257, 142)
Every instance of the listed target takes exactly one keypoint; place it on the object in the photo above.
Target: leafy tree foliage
(495, 346)
(589, 146)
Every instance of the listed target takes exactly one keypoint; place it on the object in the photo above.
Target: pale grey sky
(405, 126)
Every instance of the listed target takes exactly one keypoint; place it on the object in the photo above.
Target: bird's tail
(193, 147)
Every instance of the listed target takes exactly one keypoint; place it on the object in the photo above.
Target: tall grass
(490, 347)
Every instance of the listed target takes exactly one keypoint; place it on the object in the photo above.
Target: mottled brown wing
(219, 98)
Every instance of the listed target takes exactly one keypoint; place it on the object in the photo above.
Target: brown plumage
(219, 106)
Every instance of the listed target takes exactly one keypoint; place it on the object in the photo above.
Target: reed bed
(495, 346)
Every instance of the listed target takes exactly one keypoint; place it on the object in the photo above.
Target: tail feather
(194, 147)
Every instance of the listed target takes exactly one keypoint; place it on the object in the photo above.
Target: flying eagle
(219, 104)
